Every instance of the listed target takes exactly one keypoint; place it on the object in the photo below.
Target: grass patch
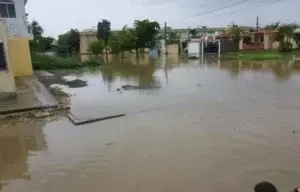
(256, 55)
(56, 62)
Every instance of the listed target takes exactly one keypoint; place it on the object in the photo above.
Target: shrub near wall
(56, 62)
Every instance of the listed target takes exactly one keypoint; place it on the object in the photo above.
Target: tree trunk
(137, 54)
(106, 54)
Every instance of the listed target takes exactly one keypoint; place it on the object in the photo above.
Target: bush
(93, 62)
(56, 62)
(285, 47)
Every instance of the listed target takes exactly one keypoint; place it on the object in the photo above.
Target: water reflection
(17, 142)
(282, 70)
(143, 75)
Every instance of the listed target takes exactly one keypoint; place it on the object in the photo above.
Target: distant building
(209, 44)
(263, 39)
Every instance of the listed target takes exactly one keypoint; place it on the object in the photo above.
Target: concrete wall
(173, 49)
(7, 81)
(193, 49)
(227, 45)
(20, 58)
(86, 38)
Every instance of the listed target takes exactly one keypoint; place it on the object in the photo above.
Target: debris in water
(3, 183)
(41, 114)
(110, 143)
(294, 132)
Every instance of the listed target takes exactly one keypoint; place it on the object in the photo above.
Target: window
(7, 9)
(261, 39)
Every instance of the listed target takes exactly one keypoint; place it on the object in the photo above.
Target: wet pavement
(31, 95)
(208, 125)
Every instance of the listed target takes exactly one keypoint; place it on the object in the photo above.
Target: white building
(14, 17)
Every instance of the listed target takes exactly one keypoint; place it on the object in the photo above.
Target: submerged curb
(28, 109)
(76, 121)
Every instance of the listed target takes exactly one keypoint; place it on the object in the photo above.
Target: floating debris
(110, 143)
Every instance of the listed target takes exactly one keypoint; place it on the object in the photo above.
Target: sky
(58, 16)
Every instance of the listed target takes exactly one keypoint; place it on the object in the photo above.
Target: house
(209, 44)
(15, 33)
(262, 39)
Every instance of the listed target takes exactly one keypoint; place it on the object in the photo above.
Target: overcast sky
(58, 16)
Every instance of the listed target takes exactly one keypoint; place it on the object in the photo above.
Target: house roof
(25, 1)
(297, 30)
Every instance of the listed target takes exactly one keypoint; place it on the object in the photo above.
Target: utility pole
(165, 36)
(257, 23)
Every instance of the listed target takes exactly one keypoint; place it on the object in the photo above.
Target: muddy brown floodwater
(191, 126)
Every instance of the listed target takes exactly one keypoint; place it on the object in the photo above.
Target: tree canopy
(37, 30)
(145, 32)
(236, 33)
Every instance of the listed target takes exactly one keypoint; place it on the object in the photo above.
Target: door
(3, 63)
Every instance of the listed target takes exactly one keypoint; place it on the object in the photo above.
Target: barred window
(7, 9)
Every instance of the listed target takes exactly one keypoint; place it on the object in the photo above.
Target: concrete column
(266, 42)
(252, 38)
(241, 42)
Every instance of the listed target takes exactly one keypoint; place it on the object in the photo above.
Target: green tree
(204, 29)
(114, 43)
(45, 44)
(69, 42)
(73, 41)
(273, 26)
(37, 30)
(62, 44)
(173, 37)
(144, 33)
(284, 36)
(103, 32)
(193, 33)
(236, 33)
(127, 39)
(96, 48)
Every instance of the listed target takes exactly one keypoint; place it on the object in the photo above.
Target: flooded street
(190, 126)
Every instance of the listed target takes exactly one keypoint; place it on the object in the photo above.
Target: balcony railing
(17, 27)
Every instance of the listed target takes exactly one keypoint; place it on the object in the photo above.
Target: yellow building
(15, 33)
(86, 38)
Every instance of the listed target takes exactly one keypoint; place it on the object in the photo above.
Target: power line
(245, 9)
(218, 9)
(149, 3)
(239, 10)
(213, 2)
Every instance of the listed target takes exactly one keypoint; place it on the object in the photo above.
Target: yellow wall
(7, 81)
(20, 57)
